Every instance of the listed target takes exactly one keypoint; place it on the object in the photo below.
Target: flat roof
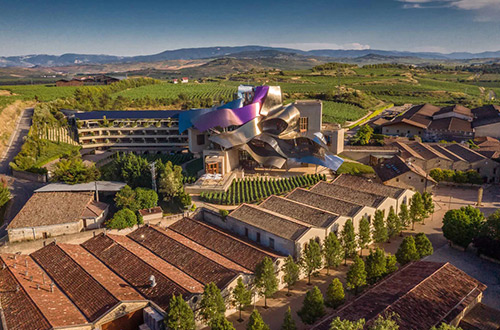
(107, 186)
(126, 114)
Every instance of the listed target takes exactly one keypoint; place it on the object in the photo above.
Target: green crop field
(169, 90)
(43, 92)
(335, 112)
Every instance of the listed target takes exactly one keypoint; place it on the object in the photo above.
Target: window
(200, 139)
(246, 232)
(397, 131)
(421, 180)
(397, 179)
(271, 243)
(258, 237)
(303, 124)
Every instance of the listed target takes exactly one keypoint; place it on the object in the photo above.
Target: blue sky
(146, 27)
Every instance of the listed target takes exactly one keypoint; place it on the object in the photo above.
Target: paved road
(19, 135)
(21, 190)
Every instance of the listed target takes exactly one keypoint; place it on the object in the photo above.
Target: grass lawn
(53, 151)
(355, 169)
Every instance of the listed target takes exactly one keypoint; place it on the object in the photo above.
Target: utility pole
(152, 168)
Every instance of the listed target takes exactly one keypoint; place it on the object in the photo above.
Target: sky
(147, 27)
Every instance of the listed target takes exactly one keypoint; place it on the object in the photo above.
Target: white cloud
(322, 45)
(484, 10)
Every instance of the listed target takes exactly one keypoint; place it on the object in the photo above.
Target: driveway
(17, 141)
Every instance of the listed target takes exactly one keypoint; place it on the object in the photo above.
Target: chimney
(152, 281)
(51, 286)
(96, 192)
(38, 286)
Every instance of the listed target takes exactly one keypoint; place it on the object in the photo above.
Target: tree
(332, 252)
(183, 198)
(179, 315)
(212, 304)
(461, 226)
(376, 266)
(356, 275)
(387, 322)
(407, 251)
(132, 169)
(404, 216)
(348, 239)
(393, 224)
(291, 273)
(417, 210)
(390, 264)
(122, 219)
(363, 135)
(288, 321)
(364, 234)
(311, 259)
(313, 307)
(335, 294)
(147, 198)
(170, 181)
(4, 192)
(126, 198)
(255, 322)
(265, 279)
(338, 324)
(445, 326)
(423, 245)
(242, 297)
(428, 204)
(221, 323)
(379, 230)
(73, 171)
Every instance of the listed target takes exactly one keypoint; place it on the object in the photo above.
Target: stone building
(49, 214)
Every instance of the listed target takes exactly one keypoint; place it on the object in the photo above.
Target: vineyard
(213, 91)
(255, 190)
(336, 112)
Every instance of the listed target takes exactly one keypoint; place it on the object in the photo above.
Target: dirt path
(9, 118)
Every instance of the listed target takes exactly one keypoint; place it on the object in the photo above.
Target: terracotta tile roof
(451, 124)
(481, 317)
(460, 109)
(134, 270)
(55, 306)
(422, 293)
(66, 207)
(109, 280)
(231, 247)
(279, 225)
(396, 166)
(170, 271)
(323, 202)
(18, 309)
(447, 153)
(466, 153)
(189, 261)
(407, 151)
(366, 185)
(154, 210)
(486, 115)
(419, 116)
(305, 213)
(91, 298)
(347, 194)
(426, 151)
(94, 209)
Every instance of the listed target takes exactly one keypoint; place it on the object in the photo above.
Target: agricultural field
(42, 92)
(172, 91)
(255, 190)
(336, 112)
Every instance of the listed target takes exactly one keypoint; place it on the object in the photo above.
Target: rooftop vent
(152, 281)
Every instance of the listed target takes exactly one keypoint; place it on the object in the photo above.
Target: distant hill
(236, 52)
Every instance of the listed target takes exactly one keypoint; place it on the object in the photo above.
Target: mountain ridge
(45, 60)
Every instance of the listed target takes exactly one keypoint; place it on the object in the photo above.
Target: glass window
(258, 237)
(303, 124)
(271, 243)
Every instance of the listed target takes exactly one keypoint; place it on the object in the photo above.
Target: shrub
(122, 219)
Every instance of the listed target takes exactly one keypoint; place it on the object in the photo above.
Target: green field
(335, 112)
(169, 90)
(42, 92)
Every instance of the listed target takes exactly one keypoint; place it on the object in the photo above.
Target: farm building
(122, 281)
(423, 294)
(70, 212)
